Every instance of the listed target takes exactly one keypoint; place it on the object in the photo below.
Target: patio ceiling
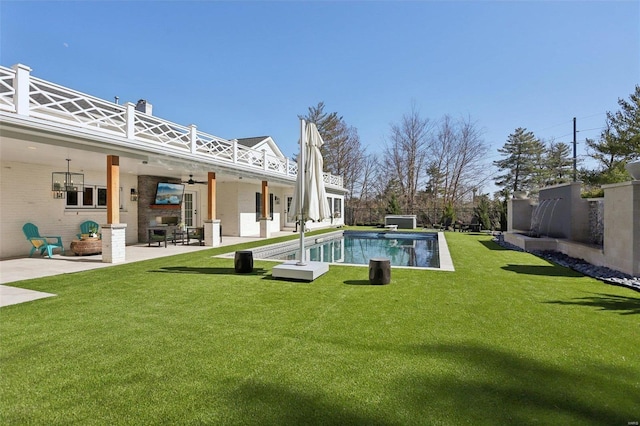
(51, 150)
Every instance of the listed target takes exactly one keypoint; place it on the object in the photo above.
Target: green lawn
(505, 339)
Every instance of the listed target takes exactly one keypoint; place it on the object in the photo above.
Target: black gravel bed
(601, 273)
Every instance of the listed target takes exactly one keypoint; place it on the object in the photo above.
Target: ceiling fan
(191, 181)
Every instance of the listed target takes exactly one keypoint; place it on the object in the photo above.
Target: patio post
(113, 233)
(265, 219)
(212, 226)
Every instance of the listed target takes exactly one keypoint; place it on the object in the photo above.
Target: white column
(21, 88)
(212, 236)
(114, 243)
(265, 231)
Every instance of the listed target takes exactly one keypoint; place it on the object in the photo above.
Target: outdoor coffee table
(86, 246)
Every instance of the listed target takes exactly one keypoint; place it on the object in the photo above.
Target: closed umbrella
(310, 183)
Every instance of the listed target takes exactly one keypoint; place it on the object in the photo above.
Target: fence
(370, 216)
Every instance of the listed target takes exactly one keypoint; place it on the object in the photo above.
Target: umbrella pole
(301, 161)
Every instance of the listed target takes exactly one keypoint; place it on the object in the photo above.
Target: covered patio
(25, 268)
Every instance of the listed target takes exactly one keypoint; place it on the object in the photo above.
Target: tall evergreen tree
(521, 152)
(342, 152)
(540, 173)
(559, 163)
(618, 144)
(625, 124)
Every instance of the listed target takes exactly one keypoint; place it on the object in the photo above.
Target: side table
(86, 246)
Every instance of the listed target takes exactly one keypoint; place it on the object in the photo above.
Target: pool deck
(266, 252)
(25, 268)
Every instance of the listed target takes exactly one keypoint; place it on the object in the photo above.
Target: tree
(342, 152)
(481, 212)
(625, 125)
(448, 215)
(521, 151)
(540, 173)
(619, 142)
(460, 154)
(406, 154)
(392, 206)
(559, 163)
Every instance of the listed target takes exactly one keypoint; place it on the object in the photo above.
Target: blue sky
(240, 69)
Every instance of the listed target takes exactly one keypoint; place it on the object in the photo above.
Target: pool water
(357, 247)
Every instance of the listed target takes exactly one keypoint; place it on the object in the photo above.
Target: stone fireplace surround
(149, 214)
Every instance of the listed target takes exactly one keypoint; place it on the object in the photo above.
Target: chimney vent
(144, 106)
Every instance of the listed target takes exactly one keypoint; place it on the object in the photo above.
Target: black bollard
(379, 271)
(243, 261)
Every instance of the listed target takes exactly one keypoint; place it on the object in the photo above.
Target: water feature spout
(553, 208)
(538, 216)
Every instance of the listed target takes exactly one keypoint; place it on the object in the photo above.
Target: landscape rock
(601, 273)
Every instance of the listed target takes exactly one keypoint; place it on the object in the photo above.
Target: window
(258, 206)
(271, 206)
(337, 207)
(93, 197)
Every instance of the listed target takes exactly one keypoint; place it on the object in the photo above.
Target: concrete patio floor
(24, 268)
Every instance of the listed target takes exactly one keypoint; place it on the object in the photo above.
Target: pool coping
(446, 262)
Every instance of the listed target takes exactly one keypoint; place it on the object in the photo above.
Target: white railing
(52, 102)
(6, 89)
(48, 101)
(161, 132)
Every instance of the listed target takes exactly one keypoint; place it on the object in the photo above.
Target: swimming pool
(409, 249)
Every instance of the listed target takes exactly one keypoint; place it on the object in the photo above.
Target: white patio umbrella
(310, 184)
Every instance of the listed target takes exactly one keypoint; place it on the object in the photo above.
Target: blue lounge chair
(87, 226)
(39, 242)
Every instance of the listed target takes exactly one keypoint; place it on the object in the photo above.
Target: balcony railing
(26, 95)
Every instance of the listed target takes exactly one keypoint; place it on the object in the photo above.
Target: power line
(595, 128)
(593, 115)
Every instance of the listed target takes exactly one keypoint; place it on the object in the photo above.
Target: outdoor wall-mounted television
(169, 193)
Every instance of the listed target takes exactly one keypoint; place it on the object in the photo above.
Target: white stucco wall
(25, 196)
(227, 208)
(236, 205)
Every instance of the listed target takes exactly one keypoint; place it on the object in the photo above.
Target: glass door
(189, 208)
(289, 222)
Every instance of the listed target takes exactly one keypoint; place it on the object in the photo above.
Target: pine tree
(619, 142)
(540, 173)
(342, 152)
(625, 124)
(522, 154)
(559, 163)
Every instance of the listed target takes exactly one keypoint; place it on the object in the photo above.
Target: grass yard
(505, 339)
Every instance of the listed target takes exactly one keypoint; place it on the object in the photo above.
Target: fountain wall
(602, 233)
(622, 226)
(565, 213)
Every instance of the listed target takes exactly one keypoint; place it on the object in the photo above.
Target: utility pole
(575, 173)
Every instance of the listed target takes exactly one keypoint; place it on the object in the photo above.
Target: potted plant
(93, 232)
